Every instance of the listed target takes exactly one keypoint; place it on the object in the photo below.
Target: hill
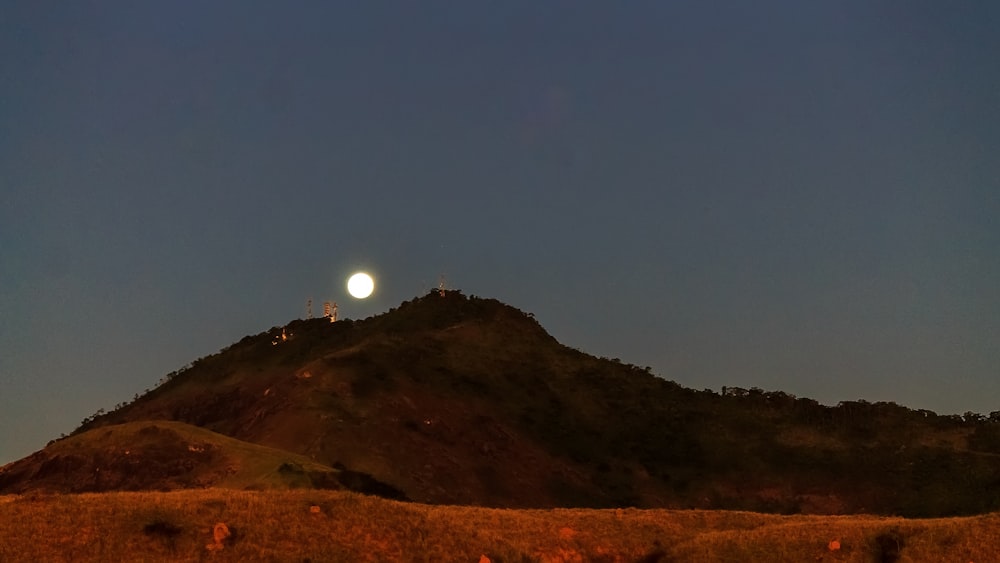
(167, 455)
(462, 400)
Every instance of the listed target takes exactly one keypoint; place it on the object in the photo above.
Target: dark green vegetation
(469, 401)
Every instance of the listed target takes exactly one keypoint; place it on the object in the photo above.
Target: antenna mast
(330, 311)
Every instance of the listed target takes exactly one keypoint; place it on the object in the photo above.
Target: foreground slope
(462, 400)
(328, 526)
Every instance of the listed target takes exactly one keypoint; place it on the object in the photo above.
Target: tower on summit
(330, 311)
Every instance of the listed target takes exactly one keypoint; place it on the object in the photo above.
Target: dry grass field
(320, 526)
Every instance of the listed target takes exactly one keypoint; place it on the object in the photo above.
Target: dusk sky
(796, 196)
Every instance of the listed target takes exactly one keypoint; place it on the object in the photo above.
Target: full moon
(360, 285)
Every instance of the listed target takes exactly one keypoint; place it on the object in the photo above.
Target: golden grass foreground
(318, 526)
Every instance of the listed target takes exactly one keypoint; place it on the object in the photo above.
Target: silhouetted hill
(465, 400)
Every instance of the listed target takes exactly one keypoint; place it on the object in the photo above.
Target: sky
(795, 196)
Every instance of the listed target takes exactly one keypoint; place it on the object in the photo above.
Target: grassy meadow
(319, 526)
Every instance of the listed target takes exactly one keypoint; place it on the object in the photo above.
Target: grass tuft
(164, 531)
(889, 546)
(161, 528)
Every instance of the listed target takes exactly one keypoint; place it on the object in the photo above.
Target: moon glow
(360, 285)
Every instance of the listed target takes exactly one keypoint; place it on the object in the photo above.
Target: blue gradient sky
(801, 196)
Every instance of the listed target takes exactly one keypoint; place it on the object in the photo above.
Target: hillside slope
(166, 455)
(469, 401)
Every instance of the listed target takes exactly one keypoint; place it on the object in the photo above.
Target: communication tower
(441, 286)
(330, 311)
(309, 308)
